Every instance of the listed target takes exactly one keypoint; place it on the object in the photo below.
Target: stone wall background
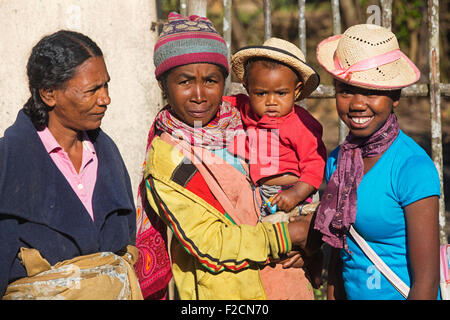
(122, 31)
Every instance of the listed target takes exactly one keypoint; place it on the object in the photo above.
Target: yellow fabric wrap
(213, 257)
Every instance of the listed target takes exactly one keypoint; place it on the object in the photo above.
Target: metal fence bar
(386, 16)
(445, 89)
(197, 7)
(302, 25)
(415, 90)
(227, 20)
(302, 35)
(336, 17)
(267, 20)
(337, 30)
(435, 104)
(183, 7)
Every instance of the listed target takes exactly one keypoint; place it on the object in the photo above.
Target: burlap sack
(98, 276)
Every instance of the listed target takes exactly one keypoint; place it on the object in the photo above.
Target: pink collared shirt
(82, 182)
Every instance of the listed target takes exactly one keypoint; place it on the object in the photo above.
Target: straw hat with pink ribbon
(283, 51)
(367, 56)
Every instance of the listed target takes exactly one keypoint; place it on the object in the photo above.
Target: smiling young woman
(364, 111)
(380, 181)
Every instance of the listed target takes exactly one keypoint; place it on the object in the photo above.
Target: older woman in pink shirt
(81, 181)
(65, 194)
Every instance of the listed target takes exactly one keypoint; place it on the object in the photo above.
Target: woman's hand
(303, 235)
(293, 259)
(312, 265)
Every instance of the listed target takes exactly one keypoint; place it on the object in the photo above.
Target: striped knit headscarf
(186, 40)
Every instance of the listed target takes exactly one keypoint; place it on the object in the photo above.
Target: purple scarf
(337, 210)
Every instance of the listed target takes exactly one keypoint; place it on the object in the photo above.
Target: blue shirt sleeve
(417, 179)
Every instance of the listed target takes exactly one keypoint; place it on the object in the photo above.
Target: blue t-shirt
(403, 174)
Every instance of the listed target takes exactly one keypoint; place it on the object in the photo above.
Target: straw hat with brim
(367, 56)
(283, 51)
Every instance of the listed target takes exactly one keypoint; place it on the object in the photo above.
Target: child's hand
(286, 200)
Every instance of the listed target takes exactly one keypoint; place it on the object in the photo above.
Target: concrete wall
(121, 29)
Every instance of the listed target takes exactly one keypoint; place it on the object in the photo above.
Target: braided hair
(53, 62)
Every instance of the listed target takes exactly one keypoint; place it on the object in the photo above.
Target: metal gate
(433, 89)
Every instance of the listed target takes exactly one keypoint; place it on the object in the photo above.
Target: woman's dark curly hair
(53, 61)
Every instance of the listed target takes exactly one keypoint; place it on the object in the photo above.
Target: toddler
(284, 141)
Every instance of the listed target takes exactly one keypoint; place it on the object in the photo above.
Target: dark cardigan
(39, 209)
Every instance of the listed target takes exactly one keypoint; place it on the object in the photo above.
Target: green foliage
(168, 6)
(284, 5)
(247, 18)
(321, 293)
(407, 16)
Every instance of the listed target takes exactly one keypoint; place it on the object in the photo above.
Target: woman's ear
(161, 86)
(163, 90)
(396, 97)
(48, 96)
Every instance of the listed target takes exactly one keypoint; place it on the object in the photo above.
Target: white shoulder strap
(379, 263)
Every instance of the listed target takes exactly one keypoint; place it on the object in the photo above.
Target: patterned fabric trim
(284, 246)
(279, 239)
(183, 173)
(211, 263)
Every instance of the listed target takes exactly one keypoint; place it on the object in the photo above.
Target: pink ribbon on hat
(365, 64)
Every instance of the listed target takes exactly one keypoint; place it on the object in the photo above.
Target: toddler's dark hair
(268, 63)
